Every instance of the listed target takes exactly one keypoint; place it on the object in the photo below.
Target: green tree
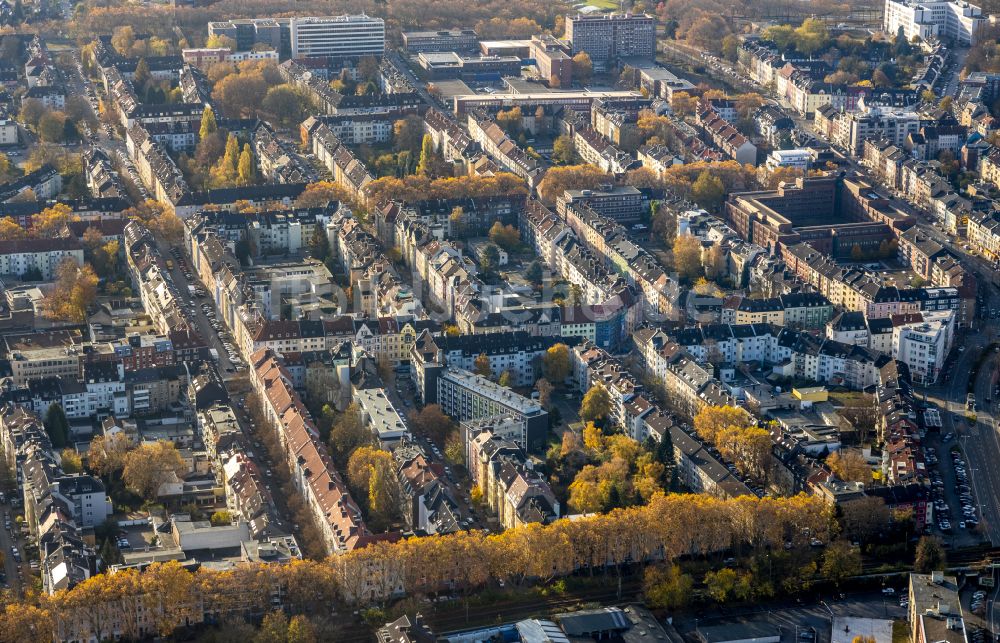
(348, 432)
(720, 584)
(141, 76)
(245, 168)
(535, 273)
(286, 104)
(52, 127)
(490, 260)
(563, 151)
(506, 379)
(231, 158)
(208, 125)
(930, 555)
(426, 165)
(221, 517)
(666, 587)
(596, 404)
(841, 560)
(57, 426)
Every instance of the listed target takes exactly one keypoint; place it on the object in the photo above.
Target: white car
(888, 591)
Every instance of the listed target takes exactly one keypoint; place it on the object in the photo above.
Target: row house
(450, 138)
(495, 142)
(427, 503)
(277, 162)
(338, 158)
(157, 169)
(597, 150)
(726, 137)
(512, 490)
(314, 476)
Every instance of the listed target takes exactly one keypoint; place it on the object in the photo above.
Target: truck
(214, 353)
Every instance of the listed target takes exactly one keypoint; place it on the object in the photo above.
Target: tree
(721, 584)
(849, 466)
(841, 560)
(490, 260)
(300, 628)
(240, 94)
(556, 363)
(432, 422)
(158, 219)
(371, 473)
(481, 366)
(71, 461)
(245, 171)
(348, 432)
(51, 221)
(712, 420)
(571, 177)
(274, 627)
(285, 104)
(596, 404)
(583, 67)
(506, 380)
(52, 127)
(687, 256)
(31, 112)
(221, 517)
(57, 426)
(74, 291)
(666, 587)
(563, 151)
(811, 36)
(106, 455)
(708, 190)
(427, 154)
(544, 388)
(208, 125)
(535, 273)
(141, 76)
(408, 134)
(320, 194)
(505, 236)
(150, 465)
(930, 555)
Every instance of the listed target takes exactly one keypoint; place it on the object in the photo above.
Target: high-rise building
(337, 36)
(608, 37)
(954, 20)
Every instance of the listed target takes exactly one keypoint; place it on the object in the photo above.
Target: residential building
(607, 37)
(467, 396)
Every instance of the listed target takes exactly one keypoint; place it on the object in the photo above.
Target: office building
(959, 22)
(463, 41)
(337, 36)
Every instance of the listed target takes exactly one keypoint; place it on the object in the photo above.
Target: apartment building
(512, 491)
(467, 396)
(607, 37)
(923, 344)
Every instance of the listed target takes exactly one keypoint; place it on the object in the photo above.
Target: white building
(378, 413)
(958, 21)
(8, 131)
(924, 345)
(337, 36)
(18, 256)
(797, 159)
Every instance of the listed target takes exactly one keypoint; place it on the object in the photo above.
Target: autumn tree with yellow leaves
(74, 291)
(165, 596)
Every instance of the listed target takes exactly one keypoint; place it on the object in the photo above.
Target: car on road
(888, 591)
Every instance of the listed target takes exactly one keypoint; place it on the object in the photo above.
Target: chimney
(937, 577)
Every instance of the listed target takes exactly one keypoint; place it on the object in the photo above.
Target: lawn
(602, 4)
